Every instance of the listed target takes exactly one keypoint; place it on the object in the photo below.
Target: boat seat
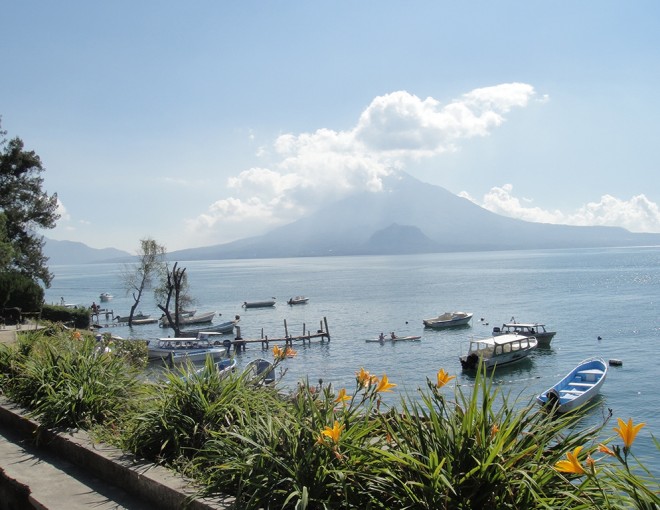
(583, 384)
(590, 374)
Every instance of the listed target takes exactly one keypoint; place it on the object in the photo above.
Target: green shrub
(19, 290)
(79, 317)
(67, 380)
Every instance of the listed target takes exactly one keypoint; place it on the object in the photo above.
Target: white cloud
(325, 165)
(638, 214)
(61, 210)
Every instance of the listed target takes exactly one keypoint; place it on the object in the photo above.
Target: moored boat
(201, 318)
(175, 349)
(259, 304)
(298, 300)
(138, 318)
(498, 351)
(222, 328)
(448, 320)
(535, 329)
(577, 387)
(195, 355)
(105, 296)
(260, 371)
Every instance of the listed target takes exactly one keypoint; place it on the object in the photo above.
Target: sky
(198, 123)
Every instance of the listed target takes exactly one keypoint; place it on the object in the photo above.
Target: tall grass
(67, 380)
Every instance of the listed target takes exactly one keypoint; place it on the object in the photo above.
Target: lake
(601, 302)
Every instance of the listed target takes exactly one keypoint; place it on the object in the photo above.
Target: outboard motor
(553, 398)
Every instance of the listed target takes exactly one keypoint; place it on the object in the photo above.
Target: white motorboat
(176, 349)
(498, 351)
(448, 320)
(577, 387)
(105, 296)
(298, 300)
(535, 329)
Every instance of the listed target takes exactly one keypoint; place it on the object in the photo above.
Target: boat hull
(576, 388)
(448, 320)
(258, 304)
(203, 318)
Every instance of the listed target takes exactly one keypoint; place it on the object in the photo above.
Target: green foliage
(18, 290)
(26, 208)
(79, 317)
(177, 416)
(67, 380)
(321, 448)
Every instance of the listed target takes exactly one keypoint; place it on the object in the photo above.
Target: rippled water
(582, 294)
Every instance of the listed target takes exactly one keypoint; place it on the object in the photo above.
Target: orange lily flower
(443, 378)
(334, 432)
(628, 431)
(384, 385)
(494, 430)
(572, 465)
(290, 352)
(604, 449)
(364, 378)
(341, 396)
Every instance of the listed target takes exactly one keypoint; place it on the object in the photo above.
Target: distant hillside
(410, 216)
(69, 252)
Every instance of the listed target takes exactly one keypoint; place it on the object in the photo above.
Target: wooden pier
(306, 337)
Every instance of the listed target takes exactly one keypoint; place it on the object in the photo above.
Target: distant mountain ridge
(407, 217)
(410, 216)
(70, 252)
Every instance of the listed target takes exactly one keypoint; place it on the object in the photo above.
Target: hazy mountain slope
(409, 211)
(69, 252)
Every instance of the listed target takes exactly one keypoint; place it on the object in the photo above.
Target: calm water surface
(613, 294)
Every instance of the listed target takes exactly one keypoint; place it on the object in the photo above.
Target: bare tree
(138, 277)
(174, 287)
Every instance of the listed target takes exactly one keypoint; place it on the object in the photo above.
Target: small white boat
(201, 318)
(105, 296)
(224, 367)
(498, 351)
(298, 300)
(535, 329)
(448, 320)
(259, 304)
(260, 371)
(175, 349)
(194, 355)
(388, 338)
(577, 387)
(223, 328)
(138, 318)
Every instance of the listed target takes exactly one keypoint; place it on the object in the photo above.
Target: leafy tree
(138, 277)
(26, 207)
(174, 287)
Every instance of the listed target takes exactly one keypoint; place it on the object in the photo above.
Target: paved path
(34, 478)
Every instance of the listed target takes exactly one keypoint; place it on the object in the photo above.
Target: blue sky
(198, 123)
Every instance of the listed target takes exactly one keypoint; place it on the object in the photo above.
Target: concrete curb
(154, 484)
